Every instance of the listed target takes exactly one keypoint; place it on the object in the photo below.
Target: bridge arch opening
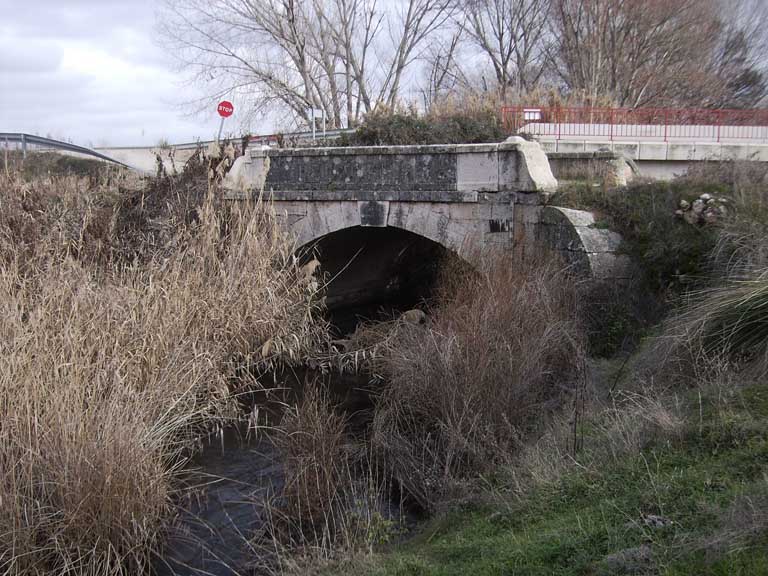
(372, 273)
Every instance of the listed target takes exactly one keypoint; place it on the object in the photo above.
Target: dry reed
(111, 366)
(501, 353)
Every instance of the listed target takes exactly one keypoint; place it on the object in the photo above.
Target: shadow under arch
(450, 226)
(373, 272)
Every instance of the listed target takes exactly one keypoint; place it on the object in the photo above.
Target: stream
(236, 471)
(230, 481)
(232, 477)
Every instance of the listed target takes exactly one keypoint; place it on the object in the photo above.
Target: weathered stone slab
(680, 151)
(478, 171)
(524, 167)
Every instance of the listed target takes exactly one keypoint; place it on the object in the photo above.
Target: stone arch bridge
(456, 197)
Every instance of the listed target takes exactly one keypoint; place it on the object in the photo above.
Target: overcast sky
(91, 71)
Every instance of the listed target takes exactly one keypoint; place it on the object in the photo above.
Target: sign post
(315, 113)
(225, 109)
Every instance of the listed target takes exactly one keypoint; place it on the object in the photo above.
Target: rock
(691, 217)
(654, 521)
(679, 213)
(698, 206)
(414, 316)
(684, 204)
(495, 517)
(710, 216)
(341, 345)
(711, 202)
(705, 197)
(308, 270)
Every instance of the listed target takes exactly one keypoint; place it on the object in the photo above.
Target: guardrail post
(23, 146)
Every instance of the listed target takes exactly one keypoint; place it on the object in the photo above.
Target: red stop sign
(225, 109)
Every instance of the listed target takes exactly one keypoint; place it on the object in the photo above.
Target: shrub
(446, 124)
(729, 322)
(312, 443)
(671, 253)
(500, 353)
(675, 258)
(724, 319)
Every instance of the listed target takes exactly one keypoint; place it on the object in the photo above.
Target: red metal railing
(663, 124)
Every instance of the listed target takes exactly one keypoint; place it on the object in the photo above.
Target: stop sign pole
(225, 110)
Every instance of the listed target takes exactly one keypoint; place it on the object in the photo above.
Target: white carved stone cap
(248, 173)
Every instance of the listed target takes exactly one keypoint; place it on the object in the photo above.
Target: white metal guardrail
(25, 141)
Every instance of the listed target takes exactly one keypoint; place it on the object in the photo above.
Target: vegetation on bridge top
(473, 121)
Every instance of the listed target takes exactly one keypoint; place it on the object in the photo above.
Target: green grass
(569, 528)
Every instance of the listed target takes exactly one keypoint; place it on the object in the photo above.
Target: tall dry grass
(111, 366)
(726, 321)
(334, 499)
(501, 352)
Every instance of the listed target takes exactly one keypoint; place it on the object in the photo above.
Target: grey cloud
(130, 102)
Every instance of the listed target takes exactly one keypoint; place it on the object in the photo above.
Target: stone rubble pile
(706, 209)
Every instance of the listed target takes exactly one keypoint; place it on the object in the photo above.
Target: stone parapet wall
(612, 168)
(404, 173)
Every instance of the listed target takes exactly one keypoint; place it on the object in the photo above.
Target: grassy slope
(570, 527)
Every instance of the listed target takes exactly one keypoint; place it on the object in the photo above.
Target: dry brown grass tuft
(501, 353)
(742, 522)
(617, 430)
(110, 368)
(314, 449)
(334, 498)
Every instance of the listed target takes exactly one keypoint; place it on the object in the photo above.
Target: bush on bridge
(472, 122)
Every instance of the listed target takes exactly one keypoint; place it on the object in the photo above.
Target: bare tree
(634, 52)
(344, 57)
(738, 58)
(687, 52)
(513, 36)
(444, 73)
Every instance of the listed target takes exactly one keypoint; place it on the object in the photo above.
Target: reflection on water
(214, 530)
(236, 471)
